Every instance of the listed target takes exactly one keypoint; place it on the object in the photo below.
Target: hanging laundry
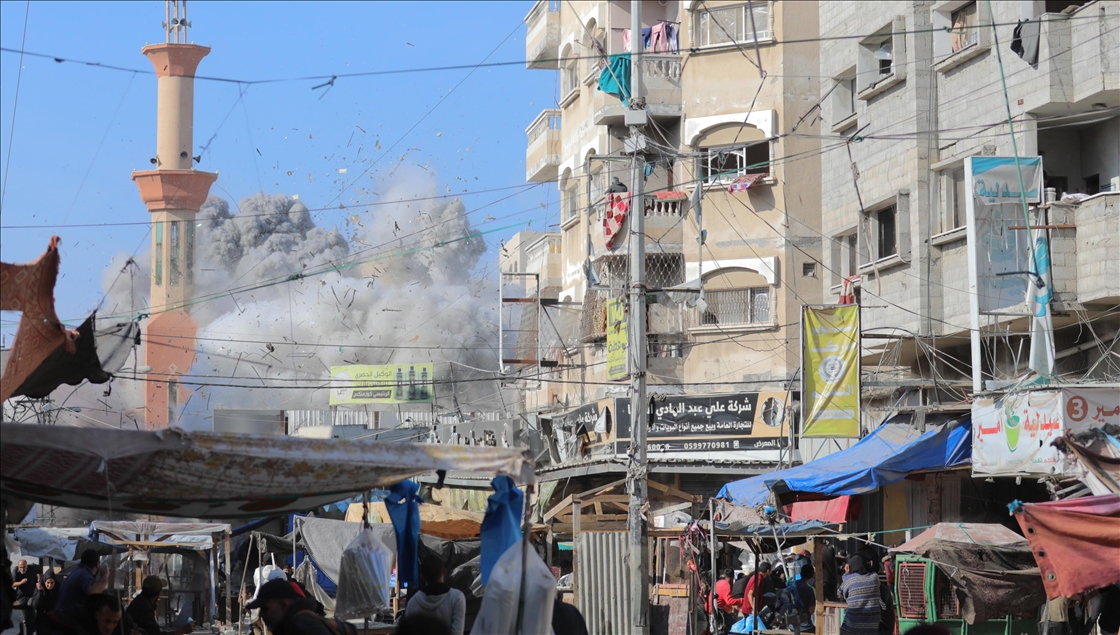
(663, 38)
(1024, 40)
(29, 289)
(744, 182)
(614, 218)
(615, 78)
(647, 34)
(672, 35)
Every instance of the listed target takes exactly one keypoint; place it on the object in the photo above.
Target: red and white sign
(1013, 434)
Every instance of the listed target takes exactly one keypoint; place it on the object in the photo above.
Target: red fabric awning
(1075, 542)
(837, 510)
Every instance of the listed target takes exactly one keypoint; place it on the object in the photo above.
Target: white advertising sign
(1013, 434)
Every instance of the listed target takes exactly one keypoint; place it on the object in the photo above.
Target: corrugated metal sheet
(602, 581)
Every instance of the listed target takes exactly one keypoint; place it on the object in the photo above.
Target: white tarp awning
(50, 542)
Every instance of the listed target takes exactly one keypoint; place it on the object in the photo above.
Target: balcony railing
(548, 120)
(661, 66)
(542, 153)
(542, 35)
(655, 207)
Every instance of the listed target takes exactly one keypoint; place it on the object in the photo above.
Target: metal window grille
(912, 590)
(662, 270)
(948, 605)
(736, 306)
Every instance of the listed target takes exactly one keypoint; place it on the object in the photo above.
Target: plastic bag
(747, 625)
(363, 577)
(498, 615)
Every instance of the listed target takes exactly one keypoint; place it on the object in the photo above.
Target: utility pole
(635, 119)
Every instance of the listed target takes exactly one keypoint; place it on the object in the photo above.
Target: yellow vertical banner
(617, 341)
(830, 371)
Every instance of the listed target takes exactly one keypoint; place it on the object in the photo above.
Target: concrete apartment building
(859, 134)
(713, 121)
(922, 99)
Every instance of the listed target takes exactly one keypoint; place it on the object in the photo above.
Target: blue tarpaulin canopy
(887, 455)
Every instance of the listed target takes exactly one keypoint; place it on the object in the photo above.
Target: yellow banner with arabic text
(830, 371)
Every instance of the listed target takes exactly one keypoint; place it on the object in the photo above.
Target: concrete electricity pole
(635, 118)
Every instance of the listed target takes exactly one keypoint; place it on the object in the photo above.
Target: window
(882, 58)
(731, 25)
(844, 99)
(174, 261)
(845, 257)
(961, 31)
(188, 253)
(723, 165)
(736, 306)
(886, 233)
(953, 200)
(569, 78)
(885, 55)
(965, 33)
(571, 205)
(851, 250)
(157, 255)
(809, 269)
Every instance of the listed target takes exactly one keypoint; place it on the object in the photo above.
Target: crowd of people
(748, 601)
(80, 605)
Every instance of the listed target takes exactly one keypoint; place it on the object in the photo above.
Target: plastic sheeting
(989, 564)
(887, 455)
(504, 603)
(1076, 543)
(214, 475)
(50, 542)
(502, 525)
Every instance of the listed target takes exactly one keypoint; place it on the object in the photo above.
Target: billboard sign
(830, 370)
(726, 426)
(617, 343)
(387, 383)
(1013, 434)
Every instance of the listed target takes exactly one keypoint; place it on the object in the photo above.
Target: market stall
(968, 576)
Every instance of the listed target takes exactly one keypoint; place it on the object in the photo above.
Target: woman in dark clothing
(44, 601)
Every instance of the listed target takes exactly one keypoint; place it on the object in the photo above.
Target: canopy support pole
(712, 549)
(229, 584)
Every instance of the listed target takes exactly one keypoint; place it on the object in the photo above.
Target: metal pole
(639, 408)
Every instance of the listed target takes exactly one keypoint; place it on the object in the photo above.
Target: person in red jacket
(725, 605)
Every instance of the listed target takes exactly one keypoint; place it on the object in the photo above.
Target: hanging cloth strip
(29, 289)
(745, 182)
(615, 78)
(403, 505)
(617, 208)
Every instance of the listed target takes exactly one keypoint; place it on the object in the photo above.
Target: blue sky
(81, 130)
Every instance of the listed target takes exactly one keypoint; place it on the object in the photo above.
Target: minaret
(174, 191)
